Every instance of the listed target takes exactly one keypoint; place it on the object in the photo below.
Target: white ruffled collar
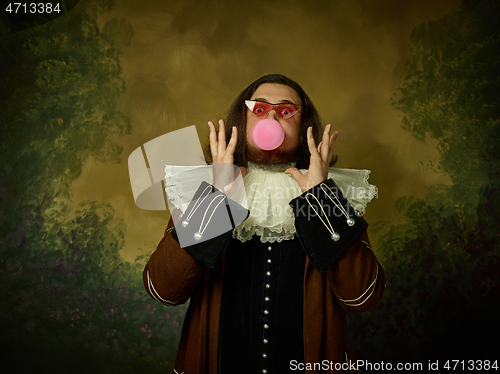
(268, 192)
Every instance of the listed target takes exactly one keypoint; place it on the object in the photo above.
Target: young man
(269, 296)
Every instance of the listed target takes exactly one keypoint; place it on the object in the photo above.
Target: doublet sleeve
(326, 224)
(188, 247)
(337, 247)
(205, 228)
(357, 279)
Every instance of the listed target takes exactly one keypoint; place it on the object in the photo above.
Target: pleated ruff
(268, 192)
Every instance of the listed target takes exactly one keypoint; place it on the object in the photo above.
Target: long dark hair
(236, 116)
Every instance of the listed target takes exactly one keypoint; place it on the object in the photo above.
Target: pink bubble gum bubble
(268, 134)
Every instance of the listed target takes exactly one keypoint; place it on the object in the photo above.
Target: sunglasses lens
(286, 110)
(261, 108)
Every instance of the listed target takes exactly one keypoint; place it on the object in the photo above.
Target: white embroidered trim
(347, 302)
(339, 205)
(222, 199)
(329, 227)
(198, 202)
(155, 293)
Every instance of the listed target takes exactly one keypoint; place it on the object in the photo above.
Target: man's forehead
(276, 93)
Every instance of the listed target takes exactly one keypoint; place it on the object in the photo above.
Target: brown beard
(276, 156)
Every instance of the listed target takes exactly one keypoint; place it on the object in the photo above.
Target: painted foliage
(69, 296)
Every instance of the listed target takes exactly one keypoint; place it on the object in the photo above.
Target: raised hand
(223, 155)
(220, 152)
(319, 162)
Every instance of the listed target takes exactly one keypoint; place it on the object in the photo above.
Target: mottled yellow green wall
(188, 60)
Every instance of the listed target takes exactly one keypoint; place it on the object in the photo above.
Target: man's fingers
(325, 141)
(331, 144)
(221, 153)
(213, 139)
(334, 137)
(310, 142)
(294, 172)
(222, 137)
(232, 142)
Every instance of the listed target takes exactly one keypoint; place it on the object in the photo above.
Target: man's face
(275, 93)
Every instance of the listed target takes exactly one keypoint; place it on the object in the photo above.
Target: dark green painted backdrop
(82, 91)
